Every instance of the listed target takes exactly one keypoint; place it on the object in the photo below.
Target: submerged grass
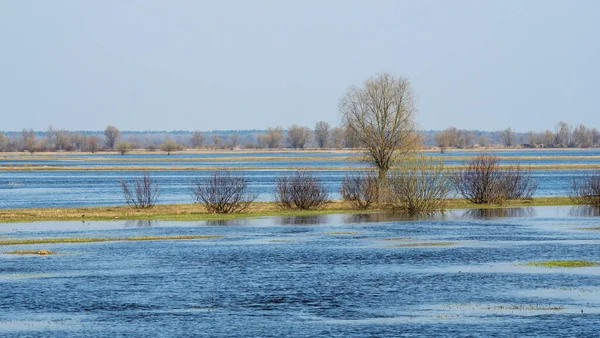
(99, 239)
(194, 212)
(31, 252)
(563, 264)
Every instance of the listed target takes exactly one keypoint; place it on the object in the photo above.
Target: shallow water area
(347, 275)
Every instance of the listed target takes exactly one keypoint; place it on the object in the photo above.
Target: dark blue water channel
(34, 189)
(456, 274)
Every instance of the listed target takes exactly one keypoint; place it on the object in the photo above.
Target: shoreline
(194, 212)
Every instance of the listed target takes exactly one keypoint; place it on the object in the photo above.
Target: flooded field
(454, 274)
(82, 183)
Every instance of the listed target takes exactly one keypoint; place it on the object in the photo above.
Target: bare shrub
(417, 185)
(586, 190)
(360, 190)
(223, 192)
(518, 183)
(143, 194)
(301, 190)
(484, 181)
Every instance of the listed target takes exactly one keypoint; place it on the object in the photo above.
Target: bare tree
(123, 147)
(273, 137)
(508, 136)
(234, 140)
(337, 137)
(223, 192)
(419, 184)
(381, 114)
(111, 134)
(301, 190)
(29, 142)
(216, 141)
(298, 136)
(197, 139)
(143, 194)
(322, 129)
(92, 144)
(3, 142)
(360, 190)
(170, 146)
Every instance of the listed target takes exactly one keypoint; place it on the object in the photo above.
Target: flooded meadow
(456, 273)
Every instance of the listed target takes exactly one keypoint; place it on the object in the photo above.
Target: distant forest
(321, 136)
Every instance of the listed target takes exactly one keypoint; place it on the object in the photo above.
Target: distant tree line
(563, 136)
(322, 136)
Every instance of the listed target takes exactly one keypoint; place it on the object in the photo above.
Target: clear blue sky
(170, 65)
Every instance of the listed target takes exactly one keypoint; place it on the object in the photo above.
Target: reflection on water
(140, 223)
(585, 211)
(500, 212)
(304, 220)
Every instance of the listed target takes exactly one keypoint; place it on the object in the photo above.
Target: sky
(221, 65)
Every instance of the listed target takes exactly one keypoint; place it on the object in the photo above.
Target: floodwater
(453, 274)
(89, 187)
(36, 189)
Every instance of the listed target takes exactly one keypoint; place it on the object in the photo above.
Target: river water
(454, 274)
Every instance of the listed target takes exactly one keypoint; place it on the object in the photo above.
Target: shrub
(418, 184)
(360, 190)
(484, 181)
(301, 190)
(517, 183)
(223, 192)
(143, 194)
(586, 190)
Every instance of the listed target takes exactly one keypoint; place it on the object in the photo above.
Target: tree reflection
(500, 212)
(585, 211)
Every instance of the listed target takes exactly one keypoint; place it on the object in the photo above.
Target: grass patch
(563, 264)
(99, 239)
(194, 212)
(31, 252)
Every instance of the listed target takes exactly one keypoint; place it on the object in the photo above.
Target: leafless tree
(301, 190)
(298, 136)
(111, 134)
(143, 194)
(419, 184)
(223, 192)
(92, 144)
(508, 136)
(3, 142)
(29, 142)
(337, 137)
(381, 114)
(272, 138)
(170, 146)
(234, 141)
(586, 190)
(197, 139)
(216, 141)
(123, 147)
(360, 190)
(322, 130)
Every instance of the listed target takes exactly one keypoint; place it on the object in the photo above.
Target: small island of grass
(563, 264)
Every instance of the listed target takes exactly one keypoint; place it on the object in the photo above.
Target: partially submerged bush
(360, 190)
(586, 190)
(418, 184)
(143, 194)
(223, 192)
(518, 183)
(301, 190)
(484, 181)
